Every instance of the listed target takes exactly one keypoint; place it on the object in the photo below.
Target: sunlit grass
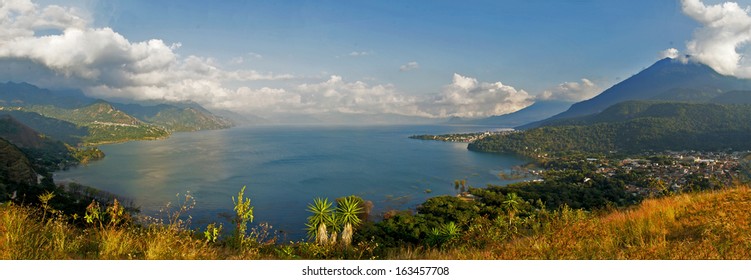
(710, 225)
(713, 225)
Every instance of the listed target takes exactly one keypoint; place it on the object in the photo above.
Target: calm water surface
(286, 167)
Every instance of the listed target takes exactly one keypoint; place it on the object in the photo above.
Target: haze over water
(286, 167)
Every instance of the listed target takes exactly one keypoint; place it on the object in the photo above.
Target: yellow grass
(711, 225)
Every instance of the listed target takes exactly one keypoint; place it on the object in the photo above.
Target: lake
(286, 167)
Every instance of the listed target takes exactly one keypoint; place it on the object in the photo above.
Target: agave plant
(348, 212)
(322, 215)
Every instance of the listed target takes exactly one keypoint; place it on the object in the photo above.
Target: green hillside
(15, 168)
(181, 117)
(631, 127)
(46, 154)
(105, 123)
(84, 120)
(57, 129)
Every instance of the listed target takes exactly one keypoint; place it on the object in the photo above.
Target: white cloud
(22, 18)
(336, 95)
(672, 53)
(571, 91)
(726, 29)
(105, 63)
(362, 53)
(466, 97)
(412, 65)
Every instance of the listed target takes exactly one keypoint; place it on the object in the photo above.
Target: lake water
(286, 167)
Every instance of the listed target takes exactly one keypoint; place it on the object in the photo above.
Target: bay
(285, 167)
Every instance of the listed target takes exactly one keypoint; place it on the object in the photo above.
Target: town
(461, 137)
(660, 173)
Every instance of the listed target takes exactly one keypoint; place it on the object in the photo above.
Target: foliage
(347, 214)
(212, 232)
(321, 215)
(632, 127)
(707, 225)
(243, 216)
(105, 124)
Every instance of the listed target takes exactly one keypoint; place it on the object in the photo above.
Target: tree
(322, 215)
(347, 213)
(512, 205)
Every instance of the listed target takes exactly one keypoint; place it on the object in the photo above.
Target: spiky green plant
(321, 209)
(348, 212)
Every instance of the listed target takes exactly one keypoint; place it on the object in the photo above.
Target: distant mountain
(667, 79)
(105, 123)
(54, 128)
(177, 117)
(241, 119)
(102, 121)
(24, 94)
(632, 127)
(20, 134)
(537, 111)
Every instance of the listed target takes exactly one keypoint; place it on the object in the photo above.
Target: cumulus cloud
(105, 63)
(412, 65)
(464, 97)
(468, 98)
(60, 43)
(672, 53)
(726, 30)
(334, 95)
(571, 91)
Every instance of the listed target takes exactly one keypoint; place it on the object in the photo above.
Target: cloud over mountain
(725, 32)
(571, 91)
(466, 97)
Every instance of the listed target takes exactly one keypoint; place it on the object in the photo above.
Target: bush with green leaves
(243, 216)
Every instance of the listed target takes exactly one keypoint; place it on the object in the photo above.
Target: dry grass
(24, 235)
(712, 225)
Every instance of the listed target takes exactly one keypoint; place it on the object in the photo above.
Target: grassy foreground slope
(709, 225)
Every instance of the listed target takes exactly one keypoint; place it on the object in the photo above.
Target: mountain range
(539, 110)
(666, 80)
(77, 119)
(672, 105)
(44, 153)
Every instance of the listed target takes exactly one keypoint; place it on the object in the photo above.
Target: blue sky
(415, 58)
(530, 44)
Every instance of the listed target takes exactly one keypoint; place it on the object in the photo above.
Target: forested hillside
(634, 126)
